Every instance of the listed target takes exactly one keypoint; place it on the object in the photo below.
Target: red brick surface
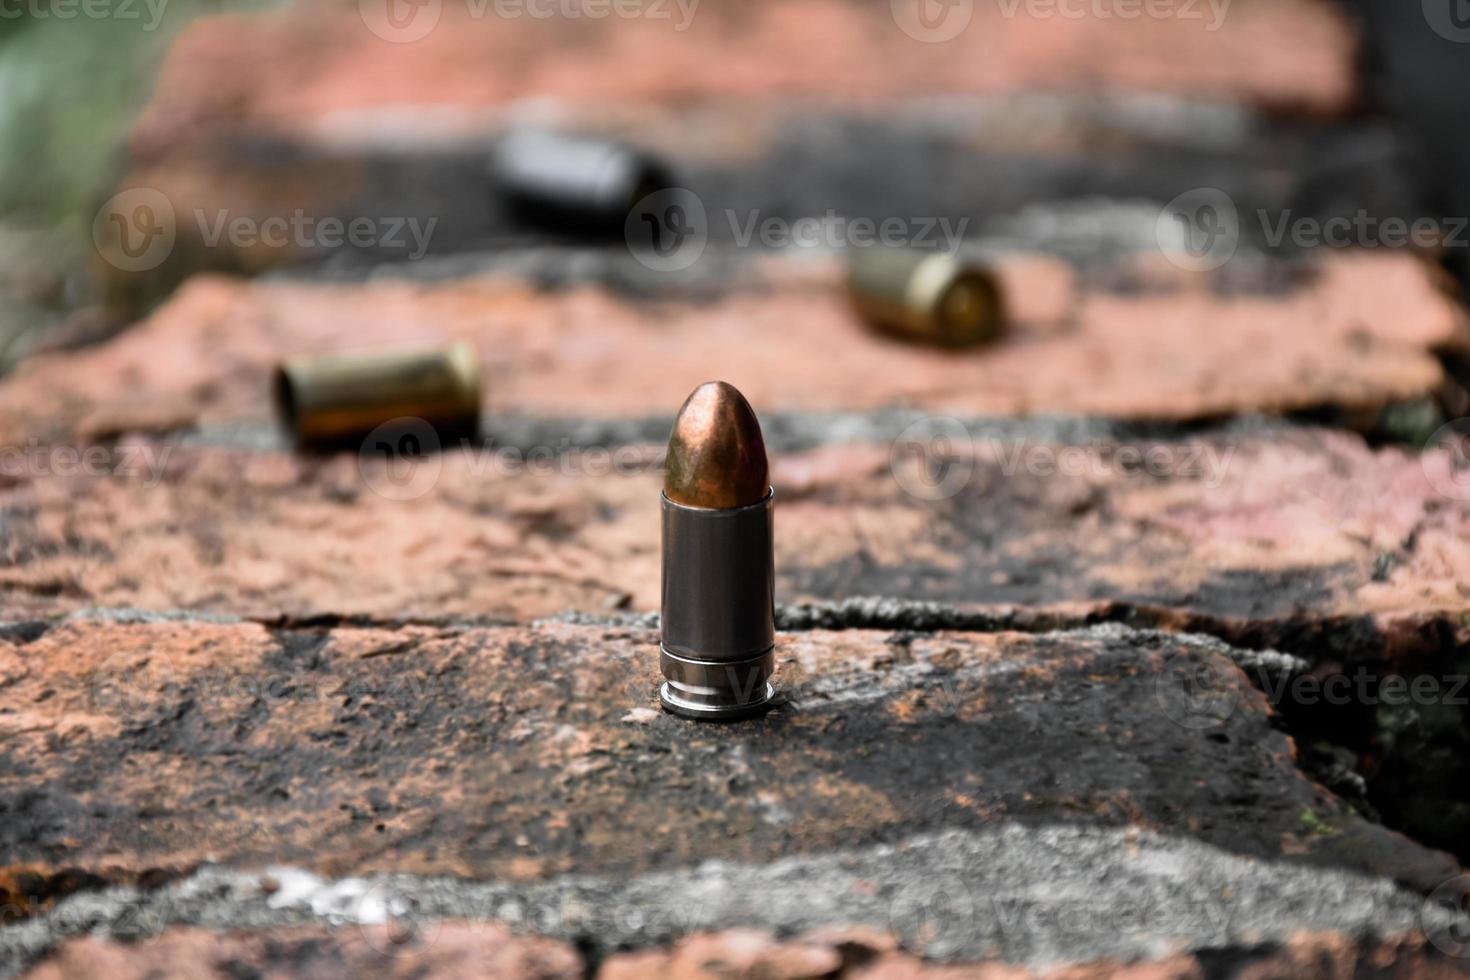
(1252, 534)
(317, 70)
(457, 950)
(756, 956)
(1359, 335)
(521, 754)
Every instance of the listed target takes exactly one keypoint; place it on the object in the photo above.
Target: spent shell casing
(583, 182)
(334, 399)
(926, 296)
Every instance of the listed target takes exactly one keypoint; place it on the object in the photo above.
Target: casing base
(716, 691)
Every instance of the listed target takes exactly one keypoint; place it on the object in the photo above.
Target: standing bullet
(587, 183)
(928, 296)
(332, 399)
(718, 632)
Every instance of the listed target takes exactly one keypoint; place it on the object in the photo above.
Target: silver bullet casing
(575, 181)
(718, 626)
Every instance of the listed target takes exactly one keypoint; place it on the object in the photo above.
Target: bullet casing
(718, 632)
(933, 297)
(558, 178)
(336, 398)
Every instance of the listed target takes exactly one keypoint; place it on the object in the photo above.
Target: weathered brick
(749, 955)
(457, 950)
(1024, 168)
(519, 754)
(251, 121)
(1360, 334)
(1287, 536)
(317, 69)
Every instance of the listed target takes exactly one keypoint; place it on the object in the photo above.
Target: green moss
(1315, 825)
(70, 88)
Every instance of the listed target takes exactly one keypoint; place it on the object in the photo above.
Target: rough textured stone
(1359, 334)
(518, 754)
(1038, 898)
(739, 953)
(1304, 538)
(750, 955)
(457, 950)
(1248, 530)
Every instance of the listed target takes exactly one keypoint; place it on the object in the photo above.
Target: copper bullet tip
(717, 456)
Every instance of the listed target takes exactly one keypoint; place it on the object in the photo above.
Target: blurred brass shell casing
(927, 296)
(333, 399)
(584, 182)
